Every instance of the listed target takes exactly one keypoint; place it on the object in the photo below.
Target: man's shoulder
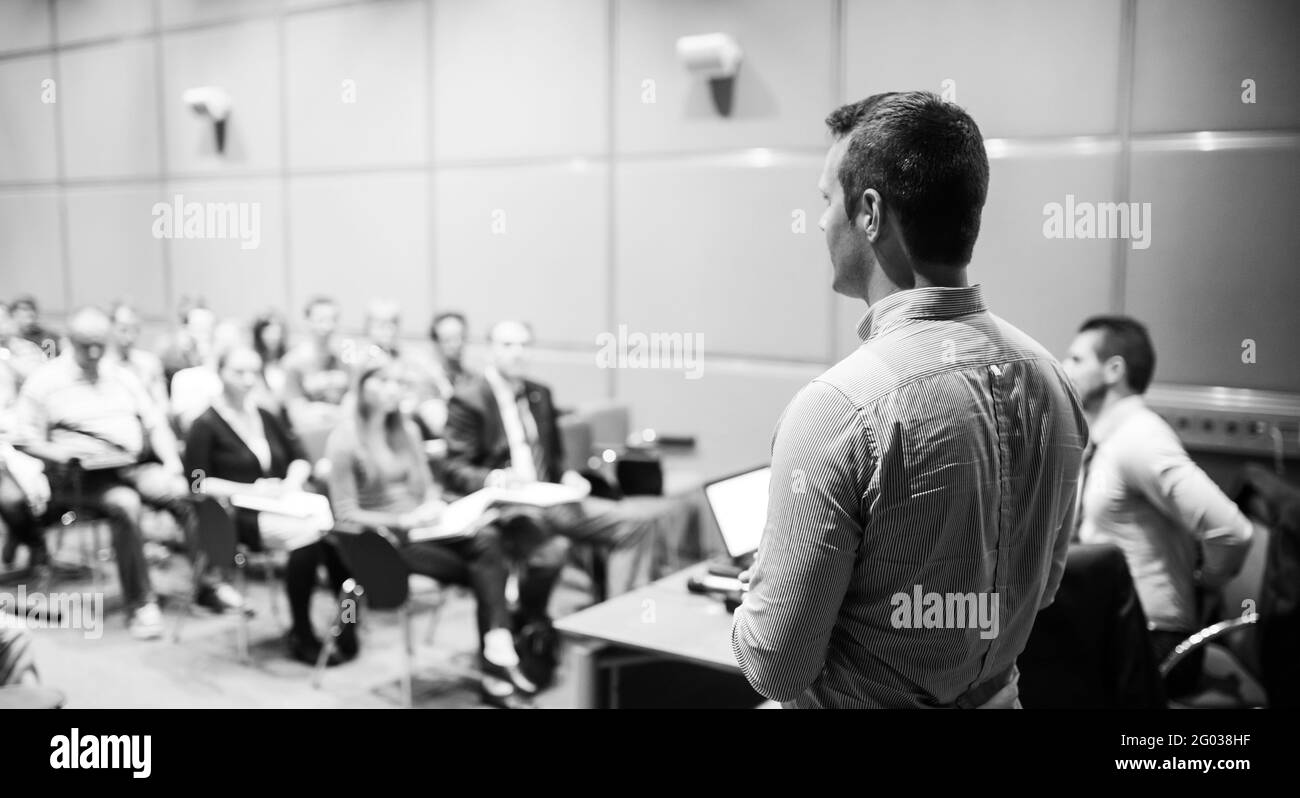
(539, 388)
(1141, 432)
(53, 374)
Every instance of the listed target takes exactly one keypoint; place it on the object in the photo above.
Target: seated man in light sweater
(1143, 493)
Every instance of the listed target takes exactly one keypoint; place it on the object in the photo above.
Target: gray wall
(660, 216)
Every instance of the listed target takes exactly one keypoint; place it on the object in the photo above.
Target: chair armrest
(1205, 636)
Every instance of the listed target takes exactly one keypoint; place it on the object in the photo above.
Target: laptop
(739, 507)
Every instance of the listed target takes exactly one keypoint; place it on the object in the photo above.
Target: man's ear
(870, 214)
(1114, 371)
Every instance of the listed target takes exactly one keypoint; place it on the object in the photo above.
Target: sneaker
(147, 622)
(230, 598)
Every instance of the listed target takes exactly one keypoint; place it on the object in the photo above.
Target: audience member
(82, 405)
(449, 333)
(380, 480)
(191, 342)
(19, 357)
(271, 341)
(236, 447)
(1143, 493)
(502, 431)
(146, 366)
(27, 317)
(316, 372)
(383, 327)
(194, 389)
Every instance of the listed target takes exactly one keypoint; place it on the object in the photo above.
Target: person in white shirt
(1144, 494)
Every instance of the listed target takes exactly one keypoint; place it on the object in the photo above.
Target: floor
(109, 668)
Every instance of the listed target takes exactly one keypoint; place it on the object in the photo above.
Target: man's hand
(576, 481)
(269, 486)
(744, 577)
(505, 478)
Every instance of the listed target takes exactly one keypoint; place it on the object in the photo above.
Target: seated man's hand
(269, 486)
(576, 481)
(505, 478)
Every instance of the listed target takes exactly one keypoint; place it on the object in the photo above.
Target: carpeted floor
(203, 670)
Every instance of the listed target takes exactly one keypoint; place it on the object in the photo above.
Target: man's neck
(515, 383)
(925, 276)
(1104, 407)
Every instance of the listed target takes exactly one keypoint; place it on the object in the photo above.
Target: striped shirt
(942, 457)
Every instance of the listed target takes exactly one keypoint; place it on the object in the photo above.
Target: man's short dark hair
(441, 317)
(926, 157)
(25, 301)
(1128, 338)
(317, 300)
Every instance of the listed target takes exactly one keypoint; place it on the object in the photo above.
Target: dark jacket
(476, 439)
(213, 448)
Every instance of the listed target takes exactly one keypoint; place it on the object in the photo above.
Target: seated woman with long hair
(237, 447)
(380, 479)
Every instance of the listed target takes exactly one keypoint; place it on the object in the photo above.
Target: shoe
(511, 674)
(347, 643)
(306, 649)
(207, 598)
(502, 695)
(231, 599)
(146, 623)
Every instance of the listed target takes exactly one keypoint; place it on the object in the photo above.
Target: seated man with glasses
(82, 406)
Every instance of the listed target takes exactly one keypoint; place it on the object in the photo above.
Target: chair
(383, 579)
(1251, 652)
(1090, 648)
(217, 544)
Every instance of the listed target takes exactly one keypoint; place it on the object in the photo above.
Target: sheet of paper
(461, 518)
(540, 494)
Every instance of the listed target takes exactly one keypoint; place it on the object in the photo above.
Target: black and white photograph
(371, 355)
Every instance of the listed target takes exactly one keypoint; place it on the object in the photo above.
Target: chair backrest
(376, 566)
(575, 432)
(1089, 648)
(217, 538)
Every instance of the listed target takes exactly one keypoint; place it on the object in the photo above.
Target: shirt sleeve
(32, 422)
(1158, 465)
(810, 541)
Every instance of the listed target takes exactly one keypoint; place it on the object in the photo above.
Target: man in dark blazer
(502, 431)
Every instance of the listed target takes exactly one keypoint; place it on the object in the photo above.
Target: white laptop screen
(739, 505)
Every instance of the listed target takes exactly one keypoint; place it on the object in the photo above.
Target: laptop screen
(739, 505)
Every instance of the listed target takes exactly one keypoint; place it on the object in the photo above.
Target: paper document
(289, 521)
(462, 518)
(540, 494)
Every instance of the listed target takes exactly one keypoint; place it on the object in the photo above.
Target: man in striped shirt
(923, 489)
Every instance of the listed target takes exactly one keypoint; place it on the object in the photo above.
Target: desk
(661, 622)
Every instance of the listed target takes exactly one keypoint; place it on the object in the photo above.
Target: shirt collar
(1114, 416)
(502, 384)
(920, 303)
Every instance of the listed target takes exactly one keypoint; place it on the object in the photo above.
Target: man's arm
(809, 545)
(464, 432)
(1061, 548)
(1159, 466)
